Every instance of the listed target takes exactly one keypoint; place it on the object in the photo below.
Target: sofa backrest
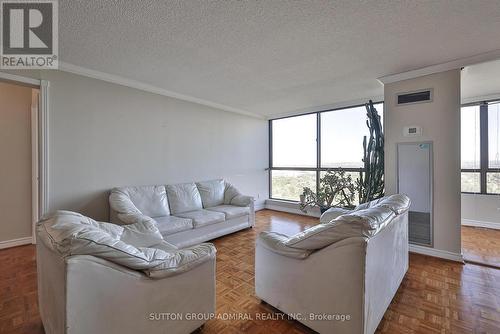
(399, 203)
(159, 200)
(211, 192)
(149, 200)
(184, 197)
(69, 233)
(360, 223)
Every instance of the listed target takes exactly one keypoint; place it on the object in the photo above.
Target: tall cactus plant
(371, 182)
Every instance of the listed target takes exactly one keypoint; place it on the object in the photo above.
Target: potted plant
(336, 189)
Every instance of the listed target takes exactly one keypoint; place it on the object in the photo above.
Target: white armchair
(103, 278)
(341, 275)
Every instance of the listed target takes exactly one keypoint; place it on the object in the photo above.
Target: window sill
(291, 207)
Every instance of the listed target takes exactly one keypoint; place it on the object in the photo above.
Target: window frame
(318, 169)
(484, 167)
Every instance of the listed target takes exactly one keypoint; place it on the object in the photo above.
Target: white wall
(15, 169)
(482, 210)
(103, 135)
(440, 121)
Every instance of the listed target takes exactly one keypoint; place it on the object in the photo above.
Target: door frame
(40, 147)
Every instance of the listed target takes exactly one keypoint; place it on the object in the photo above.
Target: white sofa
(187, 213)
(348, 266)
(103, 278)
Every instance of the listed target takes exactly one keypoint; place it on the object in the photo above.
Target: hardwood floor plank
(481, 245)
(436, 296)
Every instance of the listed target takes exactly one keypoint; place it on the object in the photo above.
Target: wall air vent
(420, 96)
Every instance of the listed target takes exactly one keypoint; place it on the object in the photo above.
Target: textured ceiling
(272, 57)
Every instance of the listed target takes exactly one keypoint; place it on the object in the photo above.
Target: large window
(301, 147)
(294, 141)
(480, 146)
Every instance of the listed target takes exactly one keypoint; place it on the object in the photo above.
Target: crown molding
(451, 65)
(119, 80)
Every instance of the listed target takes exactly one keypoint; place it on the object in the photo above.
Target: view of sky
(470, 136)
(342, 131)
(494, 135)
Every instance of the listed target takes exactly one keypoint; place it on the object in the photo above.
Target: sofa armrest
(97, 261)
(332, 213)
(242, 200)
(121, 203)
(183, 260)
(275, 242)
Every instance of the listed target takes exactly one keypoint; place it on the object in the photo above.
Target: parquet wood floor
(436, 296)
(481, 245)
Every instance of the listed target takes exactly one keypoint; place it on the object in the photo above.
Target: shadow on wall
(94, 205)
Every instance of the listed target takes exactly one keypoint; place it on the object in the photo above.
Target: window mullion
(318, 150)
(483, 131)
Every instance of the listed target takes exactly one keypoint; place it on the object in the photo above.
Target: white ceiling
(272, 57)
(481, 82)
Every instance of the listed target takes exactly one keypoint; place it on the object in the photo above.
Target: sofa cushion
(203, 217)
(70, 233)
(231, 211)
(149, 200)
(230, 192)
(184, 197)
(172, 224)
(211, 192)
(364, 223)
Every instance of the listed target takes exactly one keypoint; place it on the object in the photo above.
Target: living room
(249, 167)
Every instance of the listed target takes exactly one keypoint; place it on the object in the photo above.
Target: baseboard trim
(260, 206)
(479, 223)
(16, 242)
(436, 253)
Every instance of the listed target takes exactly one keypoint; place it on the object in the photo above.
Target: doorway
(20, 133)
(480, 163)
